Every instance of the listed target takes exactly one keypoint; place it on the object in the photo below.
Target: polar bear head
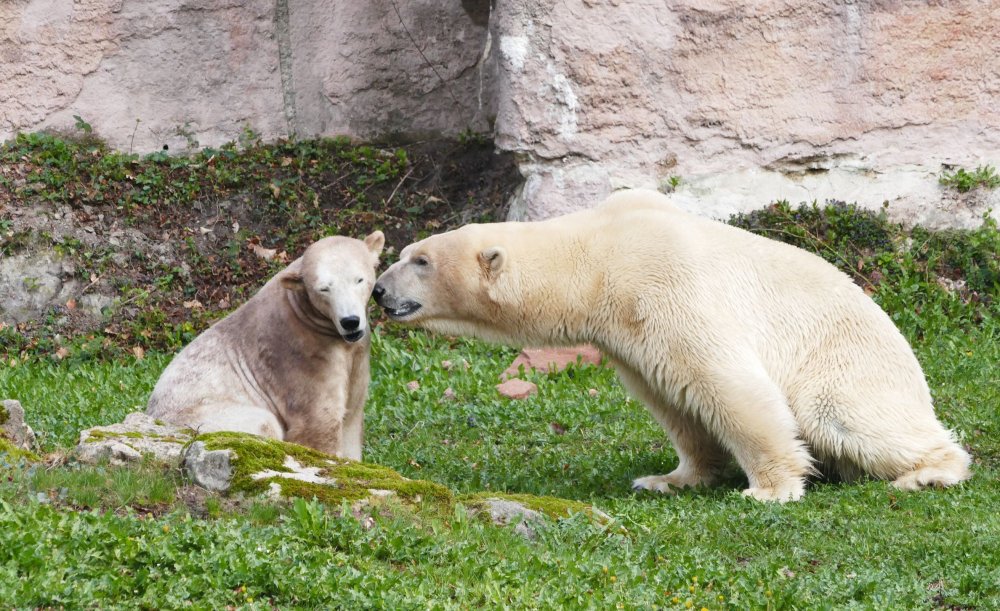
(464, 282)
(333, 281)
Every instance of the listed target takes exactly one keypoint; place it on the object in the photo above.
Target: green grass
(862, 545)
(86, 536)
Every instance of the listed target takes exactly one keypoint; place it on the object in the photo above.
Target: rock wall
(748, 102)
(185, 73)
(744, 101)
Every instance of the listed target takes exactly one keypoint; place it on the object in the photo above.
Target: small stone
(503, 512)
(552, 359)
(412, 385)
(210, 469)
(592, 392)
(516, 388)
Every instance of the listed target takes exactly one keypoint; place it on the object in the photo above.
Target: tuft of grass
(963, 180)
(87, 487)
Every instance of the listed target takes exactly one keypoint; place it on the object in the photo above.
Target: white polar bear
(740, 346)
(292, 362)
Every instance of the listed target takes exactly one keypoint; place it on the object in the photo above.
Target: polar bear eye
(325, 289)
(421, 261)
(359, 280)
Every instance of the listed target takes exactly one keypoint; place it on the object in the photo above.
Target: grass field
(862, 545)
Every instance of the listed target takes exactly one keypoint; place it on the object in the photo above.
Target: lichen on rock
(16, 453)
(259, 464)
(128, 441)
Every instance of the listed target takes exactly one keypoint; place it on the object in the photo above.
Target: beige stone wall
(746, 101)
(750, 101)
(202, 70)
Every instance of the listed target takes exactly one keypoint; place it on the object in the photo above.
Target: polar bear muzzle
(394, 307)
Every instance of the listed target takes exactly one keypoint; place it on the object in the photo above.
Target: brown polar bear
(292, 362)
(740, 346)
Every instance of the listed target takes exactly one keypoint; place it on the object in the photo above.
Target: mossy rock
(259, 466)
(341, 479)
(15, 453)
(550, 506)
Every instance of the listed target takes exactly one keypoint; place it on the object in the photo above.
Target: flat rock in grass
(516, 388)
(505, 511)
(242, 464)
(128, 441)
(13, 428)
(552, 359)
(526, 510)
(248, 464)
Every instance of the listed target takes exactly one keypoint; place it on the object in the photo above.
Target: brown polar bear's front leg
(352, 436)
(701, 458)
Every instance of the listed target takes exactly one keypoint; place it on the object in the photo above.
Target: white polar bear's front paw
(671, 482)
(788, 491)
(656, 483)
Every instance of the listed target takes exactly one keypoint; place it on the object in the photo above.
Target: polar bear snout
(349, 328)
(395, 307)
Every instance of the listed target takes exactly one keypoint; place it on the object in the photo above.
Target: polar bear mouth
(353, 337)
(405, 309)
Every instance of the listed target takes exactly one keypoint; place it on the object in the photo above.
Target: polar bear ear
(493, 259)
(375, 241)
(292, 281)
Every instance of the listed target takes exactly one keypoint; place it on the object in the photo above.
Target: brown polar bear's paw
(788, 490)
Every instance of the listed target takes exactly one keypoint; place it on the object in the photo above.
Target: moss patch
(4, 415)
(550, 506)
(96, 435)
(16, 453)
(352, 480)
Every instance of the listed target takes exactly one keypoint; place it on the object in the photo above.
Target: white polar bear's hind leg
(943, 467)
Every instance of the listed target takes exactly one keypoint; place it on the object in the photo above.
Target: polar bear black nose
(350, 323)
(378, 291)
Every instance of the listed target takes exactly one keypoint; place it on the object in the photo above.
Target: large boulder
(746, 102)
